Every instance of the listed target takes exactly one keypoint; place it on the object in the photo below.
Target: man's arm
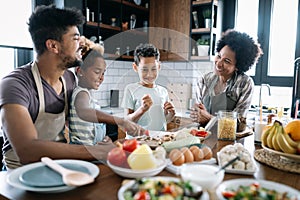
(23, 137)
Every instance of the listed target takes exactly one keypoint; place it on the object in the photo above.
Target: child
(146, 102)
(86, 120)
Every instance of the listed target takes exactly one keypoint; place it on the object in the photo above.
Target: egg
(177, 157)
(194, 147)
(188, 155)
(198, 154)
(207, 152)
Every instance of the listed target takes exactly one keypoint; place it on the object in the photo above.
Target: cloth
(83, 132)
(154, 118)
(43, 121)
(237, 95)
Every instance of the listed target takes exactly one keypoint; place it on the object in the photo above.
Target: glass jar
(227, 124)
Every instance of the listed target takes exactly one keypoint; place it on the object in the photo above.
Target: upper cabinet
(177, 26)
(170, 28)
(120, 24)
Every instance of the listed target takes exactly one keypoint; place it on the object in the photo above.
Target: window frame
(264, 25)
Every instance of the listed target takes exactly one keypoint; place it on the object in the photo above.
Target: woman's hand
(199, 114)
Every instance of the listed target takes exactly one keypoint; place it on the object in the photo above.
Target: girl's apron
(48, 125)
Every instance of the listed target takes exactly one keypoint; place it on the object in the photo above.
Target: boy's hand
(169, 108)
(146, 102)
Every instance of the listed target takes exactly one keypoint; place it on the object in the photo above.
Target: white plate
(13, 176)
(235, 183)
(293, 157)
(238, 171)
(165, 178)
(176, 169)
(130, 173)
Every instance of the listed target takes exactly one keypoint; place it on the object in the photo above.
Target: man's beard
(75, 63)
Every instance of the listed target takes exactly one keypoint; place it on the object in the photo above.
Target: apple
(117, 156)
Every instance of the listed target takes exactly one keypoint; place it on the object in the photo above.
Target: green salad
(255, 192)
(156, 189)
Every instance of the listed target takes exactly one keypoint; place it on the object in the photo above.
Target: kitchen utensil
(70, 177)
(227, 164)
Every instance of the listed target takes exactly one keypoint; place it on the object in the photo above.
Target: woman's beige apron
(48, 125)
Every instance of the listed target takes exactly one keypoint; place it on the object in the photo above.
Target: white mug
(258, 129)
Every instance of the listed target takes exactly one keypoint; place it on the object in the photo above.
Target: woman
(228, 87)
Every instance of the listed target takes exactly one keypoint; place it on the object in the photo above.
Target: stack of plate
(37, 177)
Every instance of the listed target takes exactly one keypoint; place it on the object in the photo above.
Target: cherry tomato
(228, 194)
(117, 156)
(142, 195)
(130, 145)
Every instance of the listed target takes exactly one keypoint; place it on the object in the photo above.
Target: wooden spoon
(70, 177)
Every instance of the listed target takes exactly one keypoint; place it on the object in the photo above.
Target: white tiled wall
(120, 73)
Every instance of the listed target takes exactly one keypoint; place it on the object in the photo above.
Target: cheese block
(142, 158)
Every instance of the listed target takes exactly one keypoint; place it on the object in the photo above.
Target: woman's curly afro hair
(247, 51)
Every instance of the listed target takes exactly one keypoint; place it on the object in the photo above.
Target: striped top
(84, 132)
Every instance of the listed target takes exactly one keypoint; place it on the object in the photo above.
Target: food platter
(237, 171)
(293, 157)
(131, 183)
(235, 183)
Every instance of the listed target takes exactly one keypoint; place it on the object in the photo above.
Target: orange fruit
(293, 129)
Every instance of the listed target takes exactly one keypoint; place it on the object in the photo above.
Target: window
(14, 16)
(274, 24)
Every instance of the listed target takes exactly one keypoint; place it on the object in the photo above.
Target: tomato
(117, 156)
(130, 145)
(199, 133)
(228, 194)
(142, 195)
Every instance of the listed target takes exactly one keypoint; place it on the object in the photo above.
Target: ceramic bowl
(130, 173)
(202, 174)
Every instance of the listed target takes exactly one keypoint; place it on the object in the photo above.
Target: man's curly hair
(247, 51)
(145, 50)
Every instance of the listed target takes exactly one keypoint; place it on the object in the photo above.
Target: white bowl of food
(135, 173)
(202, 174)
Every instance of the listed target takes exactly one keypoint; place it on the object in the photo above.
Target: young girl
(86, 120)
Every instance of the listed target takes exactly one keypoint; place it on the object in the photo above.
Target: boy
(145, 102)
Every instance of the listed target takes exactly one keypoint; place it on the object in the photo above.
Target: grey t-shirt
(19, 87)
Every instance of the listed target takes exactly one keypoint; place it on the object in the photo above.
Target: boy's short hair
(49, 22)
(145, 50)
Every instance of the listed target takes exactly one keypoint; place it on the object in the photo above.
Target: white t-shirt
(154, 118)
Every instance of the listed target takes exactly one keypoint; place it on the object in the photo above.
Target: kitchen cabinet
(169, 22)
(173, 29)
(110, 21)
(209, 32)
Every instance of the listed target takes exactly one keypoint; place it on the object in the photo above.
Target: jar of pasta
(227, 123)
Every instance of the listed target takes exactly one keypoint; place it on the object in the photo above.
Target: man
(34, 98)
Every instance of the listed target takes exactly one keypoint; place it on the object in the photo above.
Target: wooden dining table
(108, 183)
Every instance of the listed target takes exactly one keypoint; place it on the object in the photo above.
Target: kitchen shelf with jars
(205, 29)
(118, 24)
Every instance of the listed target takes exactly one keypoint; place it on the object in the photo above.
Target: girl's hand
(169, 108)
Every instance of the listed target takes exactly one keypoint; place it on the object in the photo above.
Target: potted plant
(203, 47)
(207, 17)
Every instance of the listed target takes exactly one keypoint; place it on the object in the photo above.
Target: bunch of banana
(276, 138)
